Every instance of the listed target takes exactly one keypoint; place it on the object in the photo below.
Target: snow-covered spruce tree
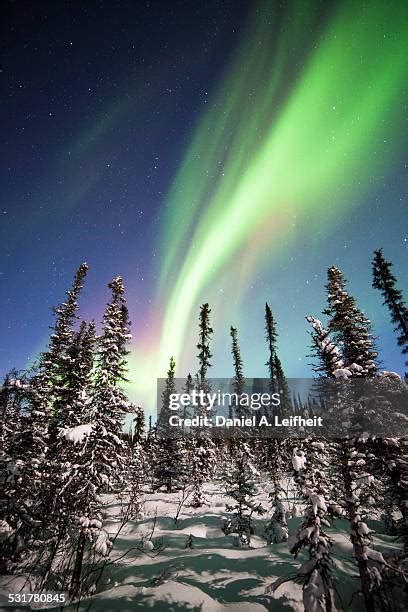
(386, 480)
(54, 387)
(109, 402)
(385, 281)
(97, 448)
(355, 479)
(202, 449)
(350, 327)
(169, 464)
(65, 463)
(241, 486)
(352, 483)
(276, 529)
(49, 389)
(135, 472)
(316, 574)
(65, 468)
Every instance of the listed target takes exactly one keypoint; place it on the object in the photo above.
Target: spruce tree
(137, 462)
(350, 327)
(242, 486)
(169, 462)
(169, 389)
(51, 387)
(273, 453)
(239, 380)
(385, 281)
(351, 481)
(97, 445)
(49, 390)
(317, 573)
(109, 403)
(274, 461)
(202, 449)
(271, 338)
(204, 355)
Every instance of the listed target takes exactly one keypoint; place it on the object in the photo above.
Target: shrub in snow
(241, 485)
(201, 458)
(277, 528)
(273, 460)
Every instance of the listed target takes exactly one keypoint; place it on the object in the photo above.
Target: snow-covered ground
(160, 572)
(215, 574)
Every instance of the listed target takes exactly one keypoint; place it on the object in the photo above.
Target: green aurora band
(288, 136)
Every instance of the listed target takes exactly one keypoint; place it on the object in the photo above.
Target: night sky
(224, 151)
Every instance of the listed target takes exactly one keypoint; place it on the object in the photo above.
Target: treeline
(63, 449)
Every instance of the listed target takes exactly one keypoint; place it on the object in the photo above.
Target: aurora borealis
(291, 160)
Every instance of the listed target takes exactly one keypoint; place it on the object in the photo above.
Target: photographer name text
(222, 421)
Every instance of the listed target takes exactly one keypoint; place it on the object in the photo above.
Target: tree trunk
(75, 586)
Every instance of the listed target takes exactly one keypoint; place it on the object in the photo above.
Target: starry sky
(222, 151)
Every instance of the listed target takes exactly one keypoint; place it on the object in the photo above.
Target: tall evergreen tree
(51, 386)
(351, 481)
(102, 454)
(202, 447)
(385, 281)
(110, 404)
(239, 380)
(169, 464)
(271, 338)
(273, 450)
(49, 389)
(204, 355)
(350, 326)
